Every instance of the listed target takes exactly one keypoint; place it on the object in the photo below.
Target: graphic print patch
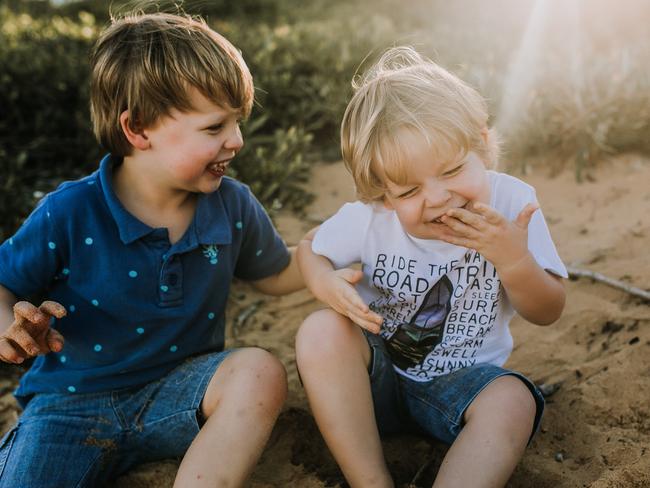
(211, 252)
(411, 343)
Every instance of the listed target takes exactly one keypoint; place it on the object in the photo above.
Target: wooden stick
(418, 475)
(632, 290)
(241, 319)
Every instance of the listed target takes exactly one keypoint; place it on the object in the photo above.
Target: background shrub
(302, 72)
(45, 134)
(576, 91)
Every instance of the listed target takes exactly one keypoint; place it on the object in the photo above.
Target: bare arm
(286, 281)
(537, 295)
(312, 265)
(335, 287)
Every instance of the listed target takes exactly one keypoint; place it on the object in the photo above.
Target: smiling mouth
(219, 168)
(438, 220)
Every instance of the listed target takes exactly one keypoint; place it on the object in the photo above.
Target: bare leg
(498, 425)
(242, 402)
(333, 356)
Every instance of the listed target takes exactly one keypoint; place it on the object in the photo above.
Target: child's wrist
(515, 269)
(319, 284)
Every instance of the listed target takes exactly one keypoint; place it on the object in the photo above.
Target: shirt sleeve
(263, 253)
(340, 238)
(541, 246)
(512, 195)
(31, 259)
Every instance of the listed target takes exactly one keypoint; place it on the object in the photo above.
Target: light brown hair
(404, 90)
(147, 64)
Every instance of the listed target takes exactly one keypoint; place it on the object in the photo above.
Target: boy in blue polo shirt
(135, 263)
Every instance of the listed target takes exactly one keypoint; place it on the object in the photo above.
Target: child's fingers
(363, 316)
(354, 307)
(55, 340)
(366, 324)
(470, 218)
(459, 227)
(375, 317)
(354, 300)
(523, 219)
(458, 241)
(373, 328)
(369, 315)
(490, 214)
(354, 304)
(53, 308)
(22, 338)
(29, 312)
(9, 352)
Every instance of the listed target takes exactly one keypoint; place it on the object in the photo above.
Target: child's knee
(267, 373)
(519, 403)
(251, 374)
(506, 401)
(323, 334)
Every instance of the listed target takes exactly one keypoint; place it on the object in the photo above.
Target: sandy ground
(595, 361)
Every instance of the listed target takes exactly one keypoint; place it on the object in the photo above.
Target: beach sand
(594, 362)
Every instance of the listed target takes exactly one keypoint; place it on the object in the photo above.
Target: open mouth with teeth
(438, 220)
(218, 169)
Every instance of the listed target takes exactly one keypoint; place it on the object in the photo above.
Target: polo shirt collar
(210, 224)
(129, 227)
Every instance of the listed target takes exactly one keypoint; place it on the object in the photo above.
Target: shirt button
(173, 279)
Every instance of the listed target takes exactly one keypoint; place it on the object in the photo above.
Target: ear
(134, 134)
(387, 204)
(485, 135)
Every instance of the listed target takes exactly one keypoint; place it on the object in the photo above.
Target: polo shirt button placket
(170, 290)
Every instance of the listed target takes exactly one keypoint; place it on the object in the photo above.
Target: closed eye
(455, 170)
(214, 128)
(408, 193)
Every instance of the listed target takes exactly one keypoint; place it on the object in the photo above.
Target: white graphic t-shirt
(442, 304)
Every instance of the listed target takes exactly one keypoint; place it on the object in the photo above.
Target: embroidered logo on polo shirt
(211, 252)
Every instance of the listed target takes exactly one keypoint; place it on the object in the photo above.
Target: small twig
(421, 470)
(244, 315)
(632, 290)
(431, 459)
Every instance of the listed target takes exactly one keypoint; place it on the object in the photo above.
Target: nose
(436, 194)
(235, 140)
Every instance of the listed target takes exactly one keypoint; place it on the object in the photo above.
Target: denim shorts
(85, 440)
(434, 407)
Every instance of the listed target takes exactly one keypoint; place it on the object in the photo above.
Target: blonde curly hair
(404, 90)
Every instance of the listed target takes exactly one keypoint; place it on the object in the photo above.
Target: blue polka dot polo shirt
(137, 305)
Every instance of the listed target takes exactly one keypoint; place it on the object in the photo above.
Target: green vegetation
(589, 97)
(302, 70)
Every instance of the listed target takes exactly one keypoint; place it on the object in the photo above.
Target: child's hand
(337, 290)
(500, 241)
(30, 333)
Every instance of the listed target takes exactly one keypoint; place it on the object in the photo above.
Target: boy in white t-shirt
(449, 252)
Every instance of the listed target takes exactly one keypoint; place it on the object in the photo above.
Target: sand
(594, 362)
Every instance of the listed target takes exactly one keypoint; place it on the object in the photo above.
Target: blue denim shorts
(85, 440)
(435, 407)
